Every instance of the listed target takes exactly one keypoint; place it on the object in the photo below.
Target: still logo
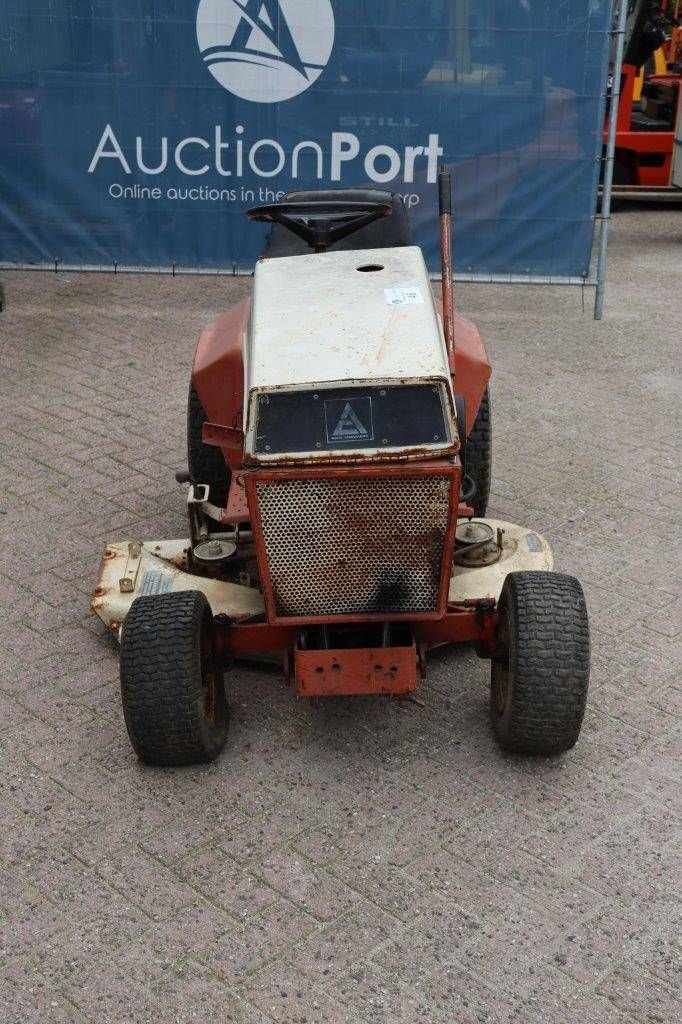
(265, 51)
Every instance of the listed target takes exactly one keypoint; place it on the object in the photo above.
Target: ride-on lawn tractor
(339, 468)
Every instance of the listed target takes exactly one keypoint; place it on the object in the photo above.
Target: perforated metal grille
(351, 546)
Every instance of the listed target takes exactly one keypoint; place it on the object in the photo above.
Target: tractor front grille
(355, 545)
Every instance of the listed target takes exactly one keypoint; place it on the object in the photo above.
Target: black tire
(173, 694)
(540, 675)
(621, 176)
(480, 455)
(205, 462)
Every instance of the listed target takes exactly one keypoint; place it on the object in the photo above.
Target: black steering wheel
(322, 223)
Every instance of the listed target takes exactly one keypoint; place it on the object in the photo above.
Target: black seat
(384, 233)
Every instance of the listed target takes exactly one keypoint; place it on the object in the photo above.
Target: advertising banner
(135, 133)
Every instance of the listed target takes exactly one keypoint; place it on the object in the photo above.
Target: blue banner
(137, 132)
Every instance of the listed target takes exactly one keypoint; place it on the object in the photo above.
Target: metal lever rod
(445, 217)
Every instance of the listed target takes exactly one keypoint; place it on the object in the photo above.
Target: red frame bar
(451, 467)
(459, 625)
(222, 437)
(251, 638)
(236, 509)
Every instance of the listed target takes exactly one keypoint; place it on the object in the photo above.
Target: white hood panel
(318, 318)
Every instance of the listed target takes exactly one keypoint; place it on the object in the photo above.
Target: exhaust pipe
(445, 217)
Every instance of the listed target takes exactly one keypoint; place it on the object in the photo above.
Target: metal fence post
(619, 34)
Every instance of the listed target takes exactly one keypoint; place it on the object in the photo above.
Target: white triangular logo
(349, 427)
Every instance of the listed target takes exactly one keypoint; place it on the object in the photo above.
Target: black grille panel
(352, 546)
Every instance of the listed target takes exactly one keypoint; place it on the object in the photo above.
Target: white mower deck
(130, 569)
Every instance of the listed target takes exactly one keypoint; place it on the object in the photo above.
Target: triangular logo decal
(350, 427)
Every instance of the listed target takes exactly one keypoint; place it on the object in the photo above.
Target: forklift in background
(646, 128)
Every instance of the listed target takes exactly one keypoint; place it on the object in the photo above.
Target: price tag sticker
(405, 296)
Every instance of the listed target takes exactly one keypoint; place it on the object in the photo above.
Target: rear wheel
(540, 674)
(205, 462)
(479, 456)
(172, 690)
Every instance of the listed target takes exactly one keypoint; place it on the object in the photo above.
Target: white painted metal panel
(318, 318)
(164, 568)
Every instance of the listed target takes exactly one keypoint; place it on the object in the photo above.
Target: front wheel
(541, 669)
(172, 690)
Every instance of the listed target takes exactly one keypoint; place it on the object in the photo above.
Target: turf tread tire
(479, 455)
(161, 681)
(549, 664)
(205, 462)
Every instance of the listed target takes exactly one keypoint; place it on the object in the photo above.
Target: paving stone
(32, 922)
(437, 937)
(330, 949)
(540, 993)
(147, 884)
(644, 996)
(285, 997)
(561, 898)
(104, 993)
(373, 997)
(189, 992)
(313, 889)
(587, 951)
(647, 838)
(243, 949)
(213, 874)
(256, 838)
(176, 840)
(27, 999)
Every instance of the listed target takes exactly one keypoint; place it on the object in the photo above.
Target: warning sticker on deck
(349, 420)
(155, 582)
(408, 295)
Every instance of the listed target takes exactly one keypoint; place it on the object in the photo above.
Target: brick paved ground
(361, 861)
